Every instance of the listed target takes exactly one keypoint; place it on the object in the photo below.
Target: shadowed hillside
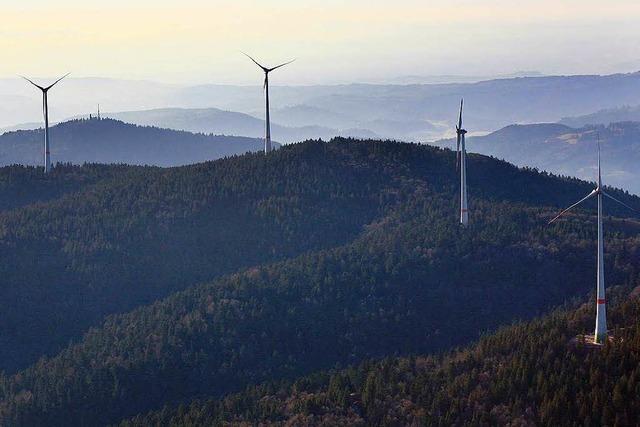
(527, 374)
(382, 269)
(112, 141)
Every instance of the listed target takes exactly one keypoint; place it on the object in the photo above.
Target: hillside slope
(112, 141)
(529, 374)
(146, 232)
(221, 122)
(626, 113)
(567, 151)
(21, 186)
(411, 282)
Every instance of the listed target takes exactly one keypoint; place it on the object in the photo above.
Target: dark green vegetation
(112, 141)
(127, 236)
(21, 186)
(382, 268)
(528, 374)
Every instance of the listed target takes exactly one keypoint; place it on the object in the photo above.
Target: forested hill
(112, 141)
(342, 251)
(529, 374)
(22, 186)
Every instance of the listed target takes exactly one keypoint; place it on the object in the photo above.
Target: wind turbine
(45, 110)
(600, 334)
(461, 163)
(267, 135)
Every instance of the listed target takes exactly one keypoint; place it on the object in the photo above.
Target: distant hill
(604, 117)
(266, 268)
(453, 78)
(526, 375)
(221, 122)
(491, 104)
(568, 151)
(403, 129)
(111, 141)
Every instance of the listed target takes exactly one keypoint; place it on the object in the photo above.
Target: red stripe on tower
(600, 301)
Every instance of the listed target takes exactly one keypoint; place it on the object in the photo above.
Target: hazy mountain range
(216, 122)
(408, 112)
(112, 141)
(220, 122)
(454, 78)
(625, 113)
(567, 151)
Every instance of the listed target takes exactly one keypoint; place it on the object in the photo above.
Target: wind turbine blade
(266, 80)
(622, 203)
(56, 82)
(30, 81)
(265, 69)
(281, 65)
(593, 193)
(460, 118)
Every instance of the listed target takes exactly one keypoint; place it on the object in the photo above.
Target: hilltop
(256, 268)
(111, 141)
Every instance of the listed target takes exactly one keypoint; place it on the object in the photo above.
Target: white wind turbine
(461, 162)
(600, 334)
(267, 136)
(45, 110)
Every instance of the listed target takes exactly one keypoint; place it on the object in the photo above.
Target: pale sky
(198, 41)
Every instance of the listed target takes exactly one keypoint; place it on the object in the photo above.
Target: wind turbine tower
(267, 134)
(45, 110)
(600, 335)
(461, 162)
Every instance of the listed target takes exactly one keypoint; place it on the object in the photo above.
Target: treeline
(530, 374)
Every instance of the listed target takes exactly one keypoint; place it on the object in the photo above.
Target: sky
(199, 41)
